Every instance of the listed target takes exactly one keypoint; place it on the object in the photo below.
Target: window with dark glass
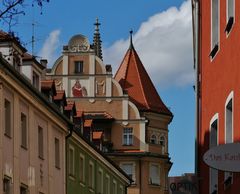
(78, 66)
(7, 119)
(23, 130)
(57, 153)
(40, 142)
(35, 80)
(230, 15)
(6, 186)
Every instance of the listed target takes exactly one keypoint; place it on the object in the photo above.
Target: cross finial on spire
(131, 43)
(97, 40)
(97, 24)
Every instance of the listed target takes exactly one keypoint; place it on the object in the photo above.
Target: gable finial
(97, 43)
(131, 43)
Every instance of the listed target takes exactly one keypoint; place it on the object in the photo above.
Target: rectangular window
(35, 80)
(6, 186)
(114, 187)
(91, 175)
(215, 28)
(23, 130)
(40, 142)
(8, 118)
(107, 184)
(100, 181)
(128, 136)
(154, 176)
(230, 15)
(121, 189)
(78, 66)
(23, 189)
(129, 169)
(57, 153)
(82, 168)
(213, 173)
(71, 161)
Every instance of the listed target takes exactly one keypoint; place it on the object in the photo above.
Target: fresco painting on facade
(79, 88)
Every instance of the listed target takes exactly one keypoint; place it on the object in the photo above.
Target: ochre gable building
(123, 115)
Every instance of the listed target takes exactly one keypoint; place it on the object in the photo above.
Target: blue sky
(162, 37)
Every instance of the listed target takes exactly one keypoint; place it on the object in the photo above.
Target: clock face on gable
(78, 43)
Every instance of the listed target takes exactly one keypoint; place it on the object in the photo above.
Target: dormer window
(78, 66)
(16, 62)
(35, 80)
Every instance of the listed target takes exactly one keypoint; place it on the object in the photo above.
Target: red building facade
(216, 32)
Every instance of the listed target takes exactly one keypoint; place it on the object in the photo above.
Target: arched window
(153, 139)
(162, 142)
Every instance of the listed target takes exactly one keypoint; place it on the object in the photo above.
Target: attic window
(78, 66)
(35, 80)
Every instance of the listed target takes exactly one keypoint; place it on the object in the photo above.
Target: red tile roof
(88, 123)
(97, 115)
(47, 84)
(97, 134)
(134, 79)
(70, 105)
(60, 95)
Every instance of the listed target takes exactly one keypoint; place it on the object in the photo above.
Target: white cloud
(50, 46)
(164, 45)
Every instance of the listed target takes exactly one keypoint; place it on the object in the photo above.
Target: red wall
(217, 79)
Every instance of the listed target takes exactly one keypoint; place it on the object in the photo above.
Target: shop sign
(224, 157)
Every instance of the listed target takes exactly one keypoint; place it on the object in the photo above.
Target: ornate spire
(131, 43)
(97, 43)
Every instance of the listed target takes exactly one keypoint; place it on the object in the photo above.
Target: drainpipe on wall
(66, 152)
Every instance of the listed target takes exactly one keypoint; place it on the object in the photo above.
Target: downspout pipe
(66, 162)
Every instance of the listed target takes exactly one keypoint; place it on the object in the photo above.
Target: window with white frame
(8, 118)
(57, 153)
(82, 168)
(107, 184)
(91, 175)
(153, 139)
(128, 136)
(214, 27)
(213, 173)
(129, 169)
(100, 181)
(230, 15)
(154, 175)
(23, 130)
(228, 134)
(71, 161)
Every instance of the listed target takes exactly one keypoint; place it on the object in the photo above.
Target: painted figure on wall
(78, 90)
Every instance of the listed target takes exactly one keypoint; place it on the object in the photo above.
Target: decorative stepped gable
(134, 79)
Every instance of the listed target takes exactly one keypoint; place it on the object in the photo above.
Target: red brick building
(216, 29)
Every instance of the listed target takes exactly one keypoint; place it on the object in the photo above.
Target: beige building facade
(135, 138)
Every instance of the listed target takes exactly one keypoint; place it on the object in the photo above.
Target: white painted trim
(211, 170)
(218, 29)
(135, 109)
(119, 88)
(101, 64)
(230, 97)
(125, 109)
(142, 137)
(214, 118)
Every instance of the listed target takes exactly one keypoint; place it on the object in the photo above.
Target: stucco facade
(90, 83)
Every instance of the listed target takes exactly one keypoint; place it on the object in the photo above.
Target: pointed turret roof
(134, 79)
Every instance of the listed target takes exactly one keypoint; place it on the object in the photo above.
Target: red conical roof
(134, 79)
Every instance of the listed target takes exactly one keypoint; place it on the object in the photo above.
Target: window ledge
(229, 25)
(8, 136)
(154, 185)
(127, 144)
(24, 147)
(214, 51)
